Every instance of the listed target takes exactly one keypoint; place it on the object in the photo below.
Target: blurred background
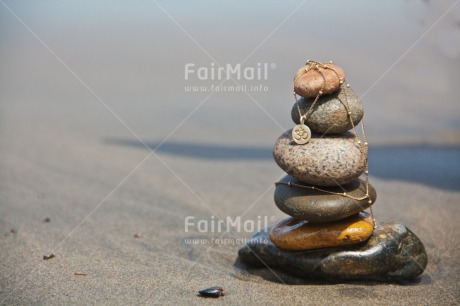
(402, 57)
(87, 86)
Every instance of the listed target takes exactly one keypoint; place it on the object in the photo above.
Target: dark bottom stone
(392, 253)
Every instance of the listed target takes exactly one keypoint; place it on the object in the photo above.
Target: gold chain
(322, 190)
(364, 146)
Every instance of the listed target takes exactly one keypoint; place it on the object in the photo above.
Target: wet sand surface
(99, 134)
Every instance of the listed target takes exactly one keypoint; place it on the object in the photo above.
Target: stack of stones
(328, 235)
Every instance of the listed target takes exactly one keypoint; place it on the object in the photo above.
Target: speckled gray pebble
(329, 116)
(330, 160)
(392, 253)
(317, 206)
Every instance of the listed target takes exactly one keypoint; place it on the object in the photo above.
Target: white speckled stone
(329, 160)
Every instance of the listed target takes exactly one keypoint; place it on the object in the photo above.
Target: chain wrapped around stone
(324, 195)
(301, 133)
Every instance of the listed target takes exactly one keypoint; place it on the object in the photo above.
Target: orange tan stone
(299, 235)
(308, 84)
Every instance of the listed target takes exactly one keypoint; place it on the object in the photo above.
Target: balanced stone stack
(328, 235)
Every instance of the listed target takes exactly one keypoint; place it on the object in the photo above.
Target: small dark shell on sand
(46, 257)
(213, 292)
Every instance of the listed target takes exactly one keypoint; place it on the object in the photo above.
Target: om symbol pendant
(301, 134)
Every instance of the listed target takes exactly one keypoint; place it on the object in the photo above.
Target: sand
(74, 114)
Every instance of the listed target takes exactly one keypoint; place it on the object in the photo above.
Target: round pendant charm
(301, 134)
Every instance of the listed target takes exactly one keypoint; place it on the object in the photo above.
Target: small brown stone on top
(308, 84)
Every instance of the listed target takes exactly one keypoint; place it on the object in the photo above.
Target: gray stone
(317, 206)
(392, 253)
(329, 160)
(330, 116)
